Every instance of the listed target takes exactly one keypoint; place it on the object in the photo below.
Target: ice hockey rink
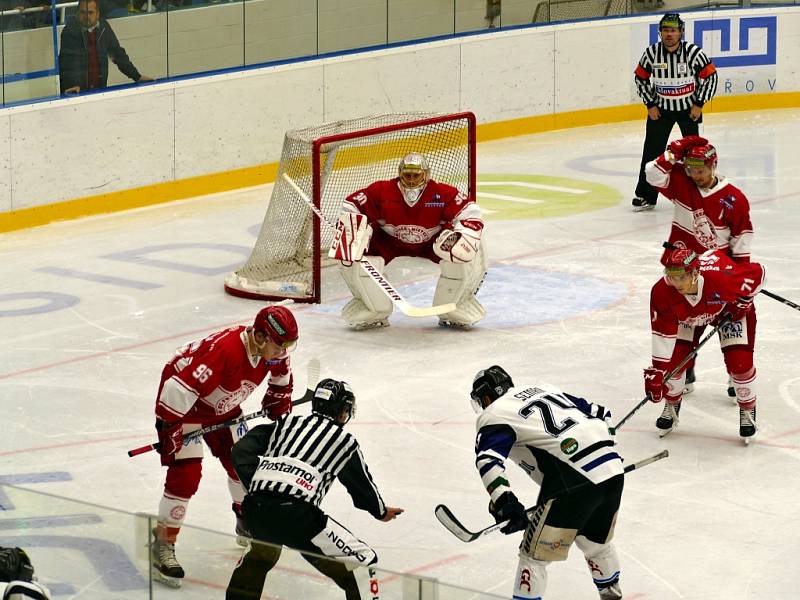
(91, 309)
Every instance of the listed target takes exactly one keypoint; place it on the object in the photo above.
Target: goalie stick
(313, 377)
(454, 526)
(383, 284)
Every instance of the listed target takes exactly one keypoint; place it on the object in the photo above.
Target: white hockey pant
(369, 304)
(602, 561)
(458, 283)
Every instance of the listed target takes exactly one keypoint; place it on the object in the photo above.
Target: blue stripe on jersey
(487, 463)
(599, 461)
(499, 438)
(581, 404)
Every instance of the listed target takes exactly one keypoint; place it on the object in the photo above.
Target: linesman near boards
(287, 468)
(563, 444)
(674, 79)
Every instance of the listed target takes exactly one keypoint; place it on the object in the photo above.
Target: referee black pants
(655, 142)
(280, 520)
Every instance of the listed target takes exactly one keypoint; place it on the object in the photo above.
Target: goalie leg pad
(531, 578)
(370, 307)
(458, 283)
(602, 561)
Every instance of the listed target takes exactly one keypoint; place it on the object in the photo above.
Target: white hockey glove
(456, 246)
(352, 237)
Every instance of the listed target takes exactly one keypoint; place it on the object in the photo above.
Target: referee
(287, 468)
(674, 79)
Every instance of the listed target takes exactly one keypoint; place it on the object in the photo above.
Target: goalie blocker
(412, 215)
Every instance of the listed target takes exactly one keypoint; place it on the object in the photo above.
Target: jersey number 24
(543, 405)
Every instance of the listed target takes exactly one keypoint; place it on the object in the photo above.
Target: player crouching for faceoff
(204, 384)
(562, 443)
(282, 508)
(697, 291)
(411, 215)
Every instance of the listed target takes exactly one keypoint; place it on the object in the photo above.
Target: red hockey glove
(170, 437)
(680, 147)
(509, 508)
(738, 310)
(277, 402)
(654, 384)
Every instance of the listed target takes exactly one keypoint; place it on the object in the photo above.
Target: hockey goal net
(329, 163)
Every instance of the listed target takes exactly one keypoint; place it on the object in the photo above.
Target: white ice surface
(568, 304)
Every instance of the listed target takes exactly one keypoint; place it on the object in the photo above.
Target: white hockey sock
(530, 582)
(745, 386)
(172, 510)
(602, 561)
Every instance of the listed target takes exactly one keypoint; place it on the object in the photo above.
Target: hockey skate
(613, 592)
(641, 204)
(747, 424)
(166, 568)
(668, 419)
(688, 386)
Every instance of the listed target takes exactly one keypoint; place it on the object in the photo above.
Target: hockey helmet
(279, 324)
(701, 156)
(333, 397)
(492, 382)
(672, 20)
(681, 261)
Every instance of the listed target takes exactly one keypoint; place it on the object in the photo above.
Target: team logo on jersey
(731, 331)
(569, 446)
(682, 69)
(411, 234)
(728, 201)
(704, 231)
(715, 299)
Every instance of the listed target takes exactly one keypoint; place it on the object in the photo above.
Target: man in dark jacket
(86, 45)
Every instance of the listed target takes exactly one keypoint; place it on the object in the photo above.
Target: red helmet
(681, 261)
(278, 323)
(699, 156)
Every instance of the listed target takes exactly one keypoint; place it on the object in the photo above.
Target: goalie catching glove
(352, 237)
(456, 246)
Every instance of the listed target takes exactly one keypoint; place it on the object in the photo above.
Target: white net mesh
(286, 259)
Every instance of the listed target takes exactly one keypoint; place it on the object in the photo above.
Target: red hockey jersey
(412, 227)
(211, 377)
(720, 281)
(714, 219)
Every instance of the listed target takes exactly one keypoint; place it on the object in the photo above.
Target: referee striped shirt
(301, 457)
(673, 81)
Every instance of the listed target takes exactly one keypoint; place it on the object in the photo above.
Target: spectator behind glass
(12, 21)
(86, 44)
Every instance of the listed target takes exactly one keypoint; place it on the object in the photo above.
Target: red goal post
(329, 163)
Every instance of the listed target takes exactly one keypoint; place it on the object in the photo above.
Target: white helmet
(414, 174)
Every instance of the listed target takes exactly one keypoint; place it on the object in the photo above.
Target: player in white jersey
(562, 443)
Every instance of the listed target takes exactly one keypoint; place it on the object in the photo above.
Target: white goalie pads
(456, 246)
(352, 237)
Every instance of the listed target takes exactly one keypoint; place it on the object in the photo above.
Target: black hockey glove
(508, 508)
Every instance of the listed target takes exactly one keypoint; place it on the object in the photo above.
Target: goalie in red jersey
(204, 384)
(411, 215)
(697, 291)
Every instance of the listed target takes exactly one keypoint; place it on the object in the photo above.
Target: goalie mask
(332, 398)
(413, 175)
(493, 382)
(279, 325)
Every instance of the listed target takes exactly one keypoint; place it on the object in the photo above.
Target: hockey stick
(383, 284)
(454, 526)
(781, 299)
(313, 378)
(613, 430)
